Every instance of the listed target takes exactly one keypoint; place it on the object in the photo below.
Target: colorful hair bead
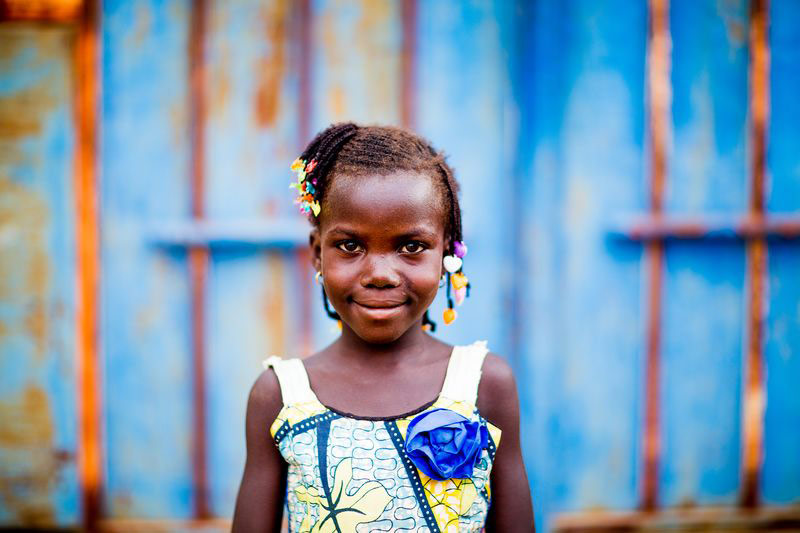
(457, 280)
(452, 263)
(305, 188)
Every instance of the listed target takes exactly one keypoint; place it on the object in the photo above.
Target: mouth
(380, 309)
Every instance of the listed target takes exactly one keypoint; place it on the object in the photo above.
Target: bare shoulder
(497, 392)
(264, 402)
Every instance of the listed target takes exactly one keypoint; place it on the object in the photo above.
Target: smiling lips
(379, 309)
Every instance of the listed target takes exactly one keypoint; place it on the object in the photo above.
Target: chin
(379, 334)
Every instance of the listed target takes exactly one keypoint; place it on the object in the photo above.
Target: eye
(412, 247)
(349, 246)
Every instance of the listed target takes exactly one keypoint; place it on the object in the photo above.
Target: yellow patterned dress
(352, 474)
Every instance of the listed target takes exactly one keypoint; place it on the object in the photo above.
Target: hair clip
(305, 188)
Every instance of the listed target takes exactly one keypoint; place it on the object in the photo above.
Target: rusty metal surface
(356, 61)
(198, 257)
(39, 441)
(754, 399)
(42, 10)
(408, 60)
(635, 379)
(145, 295)
(658, 92)
(683, 520)
(216, 525)
(757, 225)
(87, 220)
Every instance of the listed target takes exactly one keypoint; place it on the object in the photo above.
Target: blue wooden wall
(38, 425)
(541, 107)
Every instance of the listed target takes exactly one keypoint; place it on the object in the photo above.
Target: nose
(379, 272)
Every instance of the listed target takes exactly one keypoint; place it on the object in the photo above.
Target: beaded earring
(457, 279)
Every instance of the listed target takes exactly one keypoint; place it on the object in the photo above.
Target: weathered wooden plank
(145, 325)
(460, 59)
(355, 63)
(701, 369)
(703, 285)
(540, 98)
(783, 158)
(706, 162)
(251, 140)
(581, 95)
(780, 481)
(38, 410)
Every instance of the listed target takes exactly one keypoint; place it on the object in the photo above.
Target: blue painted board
(355, 69)
(253, 295)
(538, 90)
(703, 294)
(145, 306)
(38, 390)
(783, 158)
(706, 164)
(580, 92)
(463, 86)
(703, 324)
(540, 107)
(780, 482)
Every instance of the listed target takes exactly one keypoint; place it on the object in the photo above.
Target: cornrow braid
(323, 149)
(455, 209)
(347, 148)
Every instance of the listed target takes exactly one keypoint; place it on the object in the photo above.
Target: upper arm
(511, 509)
(259, 504)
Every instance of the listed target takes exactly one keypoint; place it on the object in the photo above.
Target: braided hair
(346, 148)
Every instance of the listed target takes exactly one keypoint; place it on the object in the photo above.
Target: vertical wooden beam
(658, 95)
(754, 394)
(408, 62)
(304, 23)
(198, 256)
(88, 271)
(304, 113)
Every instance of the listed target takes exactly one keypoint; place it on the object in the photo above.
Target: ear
(315, 243)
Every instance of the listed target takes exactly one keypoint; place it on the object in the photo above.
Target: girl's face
(379, 246)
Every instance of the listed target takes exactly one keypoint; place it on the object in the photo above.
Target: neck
(413, 342)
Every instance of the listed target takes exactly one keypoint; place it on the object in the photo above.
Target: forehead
(398, 198)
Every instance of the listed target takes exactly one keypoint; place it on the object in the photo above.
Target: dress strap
(464, 372)
(293, 380)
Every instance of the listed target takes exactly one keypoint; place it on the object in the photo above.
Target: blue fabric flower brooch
(444, 445)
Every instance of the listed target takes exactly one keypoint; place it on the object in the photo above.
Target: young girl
(388, 428)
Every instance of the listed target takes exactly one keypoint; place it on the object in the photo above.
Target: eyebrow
(412, 232)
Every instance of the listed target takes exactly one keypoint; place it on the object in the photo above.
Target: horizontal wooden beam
(286, 233)
(41, 10)
(678, 520)
(655, 227)
(163, 526)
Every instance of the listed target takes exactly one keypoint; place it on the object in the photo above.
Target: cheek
(339, 275)
(426, 278)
